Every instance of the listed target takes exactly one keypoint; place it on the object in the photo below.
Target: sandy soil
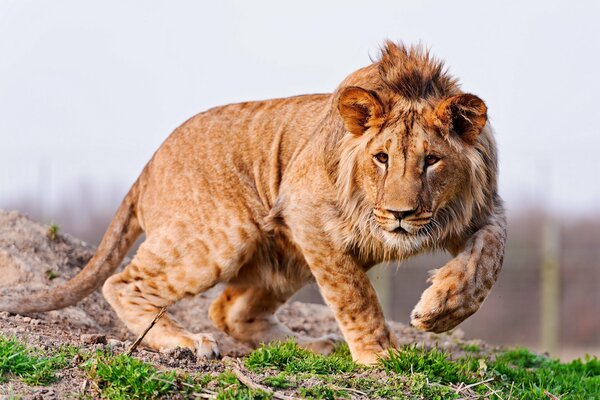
(31, 261)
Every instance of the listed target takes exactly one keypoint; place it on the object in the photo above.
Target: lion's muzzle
(401, 222)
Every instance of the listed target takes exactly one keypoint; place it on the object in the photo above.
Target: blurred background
(89, 90)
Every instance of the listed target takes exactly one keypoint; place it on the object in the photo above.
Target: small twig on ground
(172, 383)
(551, 396)
(204, 394)
(84, 386)
(512, 385)
(141, 337)
(246, 380)
(437, 384)
(349, 390)
(492, 391)
(256, 386)
(461, 387)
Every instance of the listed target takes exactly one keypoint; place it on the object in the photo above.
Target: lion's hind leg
(247, 314)
(162, 272)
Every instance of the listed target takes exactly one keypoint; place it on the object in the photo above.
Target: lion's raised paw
(442, 308)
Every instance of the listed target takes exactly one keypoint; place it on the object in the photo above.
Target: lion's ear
(360, 109)
(464, 115)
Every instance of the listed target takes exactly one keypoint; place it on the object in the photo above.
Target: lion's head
(417, 160)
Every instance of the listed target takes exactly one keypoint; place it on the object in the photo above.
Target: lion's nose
(401, 214)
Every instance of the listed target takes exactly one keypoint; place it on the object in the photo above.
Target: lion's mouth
(413, 225)
(407, 228)
(400, 230)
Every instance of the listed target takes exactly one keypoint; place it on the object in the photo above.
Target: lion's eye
(381, 157)
(430, 160)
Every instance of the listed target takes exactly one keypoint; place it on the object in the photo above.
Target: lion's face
(407, 171)
(411, 161)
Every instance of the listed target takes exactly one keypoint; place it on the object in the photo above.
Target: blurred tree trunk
(550, 286)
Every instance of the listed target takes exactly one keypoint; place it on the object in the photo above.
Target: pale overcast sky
(89, 89)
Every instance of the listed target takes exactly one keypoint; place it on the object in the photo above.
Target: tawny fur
(266, 196)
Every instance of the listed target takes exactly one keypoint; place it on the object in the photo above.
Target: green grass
(433, 363)
(279, 381)
(518, 372)
(30, 365)
(124, 377)
(121, 377)
(408, 372)
(473, 348)
(288, 357)
(332, 376)
(534, 375)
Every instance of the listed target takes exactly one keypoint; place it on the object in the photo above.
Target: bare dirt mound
(32, 260)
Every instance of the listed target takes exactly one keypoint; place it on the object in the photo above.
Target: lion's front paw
(369, 357)
(203, 345)
(442, 307)
(206, 346)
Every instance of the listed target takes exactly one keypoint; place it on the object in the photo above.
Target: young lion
(266, 196)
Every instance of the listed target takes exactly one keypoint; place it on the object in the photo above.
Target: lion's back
(228, 155)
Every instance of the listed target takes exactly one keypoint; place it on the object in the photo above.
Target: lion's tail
(120, 235)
